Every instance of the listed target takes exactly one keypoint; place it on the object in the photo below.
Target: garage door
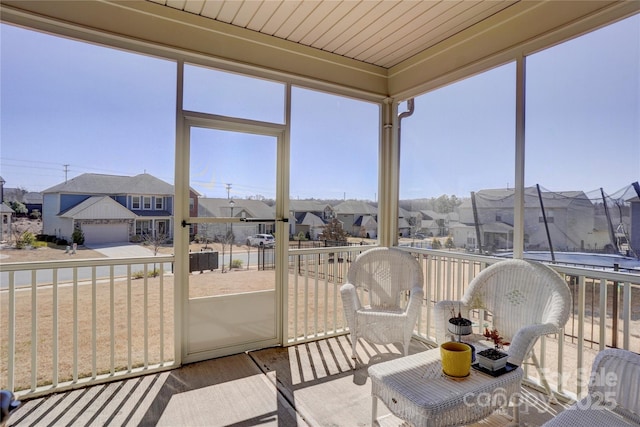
(105, 233)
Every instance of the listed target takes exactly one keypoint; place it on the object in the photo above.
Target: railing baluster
(626, 315)
(561, 379)
(34, 331)
(112, 319)
(11, 345)
(161, 297)
(129, 322)
(75, 324)
(94, 324)
(145, 309)
(603, 314)
(54, 329)
(580, 356)
(296, 288)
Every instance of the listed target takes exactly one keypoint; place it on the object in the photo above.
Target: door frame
(190, 120)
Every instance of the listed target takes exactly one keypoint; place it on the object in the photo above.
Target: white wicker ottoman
(415, 390)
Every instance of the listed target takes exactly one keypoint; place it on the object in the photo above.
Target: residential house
(309, 217)
(30, 199)
(240, 208)
(109, 208)
(408, 222)
(434, 223)
(359, 218)
(569, 218)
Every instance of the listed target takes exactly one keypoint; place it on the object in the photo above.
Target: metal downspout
(409, 112)
(396, 213)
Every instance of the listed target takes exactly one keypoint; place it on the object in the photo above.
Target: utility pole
(228, 190)
(66, 170)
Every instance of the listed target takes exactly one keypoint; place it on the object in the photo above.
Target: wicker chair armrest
(415, 302)
(350, 303)
(525, 339)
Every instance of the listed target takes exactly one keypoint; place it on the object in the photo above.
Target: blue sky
(108, 111)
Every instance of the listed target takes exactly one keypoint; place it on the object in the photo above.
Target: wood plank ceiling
(381, 32)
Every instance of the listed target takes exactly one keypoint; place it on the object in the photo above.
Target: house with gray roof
(570, 218)
(309, 217)
(242, 208)
(358, 218)
(32, 200)
(109, 208)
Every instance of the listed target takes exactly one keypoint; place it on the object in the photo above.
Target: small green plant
(236, 263)
(77, 236)
(435, 244)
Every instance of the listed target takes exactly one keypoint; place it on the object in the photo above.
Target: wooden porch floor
(313, 384)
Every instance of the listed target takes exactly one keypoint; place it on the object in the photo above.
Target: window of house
(146, 202)
(159, 203)
(143, 227)
(135, 202)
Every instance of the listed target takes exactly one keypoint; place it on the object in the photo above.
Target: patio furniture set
(525, 300)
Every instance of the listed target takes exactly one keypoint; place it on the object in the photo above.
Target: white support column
(518, 213)
(389, 175)
(181, 234)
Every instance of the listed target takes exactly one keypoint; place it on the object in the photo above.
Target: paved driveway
(122, 250)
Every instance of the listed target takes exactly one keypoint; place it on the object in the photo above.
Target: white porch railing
(606, 307)
(85, 305)
(110, 325)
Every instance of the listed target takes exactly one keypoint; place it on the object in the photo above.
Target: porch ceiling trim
(146, 26)
(169, 33)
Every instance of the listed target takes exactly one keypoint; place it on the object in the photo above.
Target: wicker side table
(415, 390)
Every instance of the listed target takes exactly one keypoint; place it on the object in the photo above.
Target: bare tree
(224, 240)
(154, 241)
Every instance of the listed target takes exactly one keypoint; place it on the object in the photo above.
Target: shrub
(236, 263)
(449, 243)
(62, 242)
(77, 236)
(140, 273)
(435, 244)
(26, 239)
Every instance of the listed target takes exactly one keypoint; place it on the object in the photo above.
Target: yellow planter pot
(456, 359)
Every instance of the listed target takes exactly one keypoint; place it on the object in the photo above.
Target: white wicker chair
(614, 393)
(387, 276)
(526, 299)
